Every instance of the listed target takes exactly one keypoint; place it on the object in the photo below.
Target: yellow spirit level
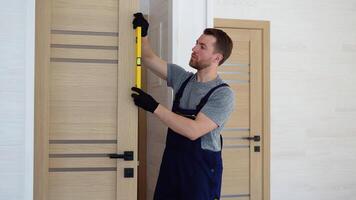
(138, 57)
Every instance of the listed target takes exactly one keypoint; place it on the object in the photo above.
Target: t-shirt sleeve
(176, 75)
(220, 105)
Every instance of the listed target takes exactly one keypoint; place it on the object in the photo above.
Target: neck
(207, 74)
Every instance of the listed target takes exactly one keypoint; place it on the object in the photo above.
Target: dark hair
(223, 42)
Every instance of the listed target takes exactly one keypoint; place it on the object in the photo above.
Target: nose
(194, 48)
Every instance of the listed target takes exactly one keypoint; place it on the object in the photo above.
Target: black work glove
(140, 21)
(144, 100)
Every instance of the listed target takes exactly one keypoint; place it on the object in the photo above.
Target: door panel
(242, 176)
(236, 171)
(110, 40)
(85, 15)
(82, 185)
(90, 111)
(60, 51)
(240, 117)
(81, 163)
(83, 101)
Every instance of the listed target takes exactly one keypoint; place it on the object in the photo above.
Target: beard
(198, 65)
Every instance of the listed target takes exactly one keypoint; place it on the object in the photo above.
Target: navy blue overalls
(187, 171)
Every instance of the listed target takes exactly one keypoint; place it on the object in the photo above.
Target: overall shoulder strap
(179, 94)
(206, 97)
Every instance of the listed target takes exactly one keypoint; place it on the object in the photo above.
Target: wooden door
(245, 158)
(85, 62)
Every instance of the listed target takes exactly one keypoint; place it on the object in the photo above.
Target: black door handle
(128, 155)
(255, 138)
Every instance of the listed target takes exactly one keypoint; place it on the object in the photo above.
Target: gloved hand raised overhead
(144, 100)
(140, 21)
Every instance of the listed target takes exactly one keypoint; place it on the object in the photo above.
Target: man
(191, 167)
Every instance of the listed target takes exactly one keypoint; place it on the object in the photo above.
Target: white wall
(16, 99)
(313, 92)
(189, 20)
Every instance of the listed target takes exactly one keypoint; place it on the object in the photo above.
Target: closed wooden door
(85, 62)
(246, 134)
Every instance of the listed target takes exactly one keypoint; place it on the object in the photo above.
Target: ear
(219, 57)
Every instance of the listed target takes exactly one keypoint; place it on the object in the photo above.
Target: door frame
(264, 26)
(42, 89)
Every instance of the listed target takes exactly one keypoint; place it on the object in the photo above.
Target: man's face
(203, 52)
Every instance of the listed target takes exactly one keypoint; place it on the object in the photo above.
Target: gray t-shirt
(218, 108)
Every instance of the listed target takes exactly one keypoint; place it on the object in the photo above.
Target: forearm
(179, 124)
(147, 52)
(192, 129)
(152, 61)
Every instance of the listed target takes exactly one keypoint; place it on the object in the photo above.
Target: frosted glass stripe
(79, 60)
(84, 33)
(234, 196)
(83, 141)
(96, 169)
(235, 146)
(235, 64)
(236, 129)
(236, 81)
(72, 46)
(81, 155)
(243, 73)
